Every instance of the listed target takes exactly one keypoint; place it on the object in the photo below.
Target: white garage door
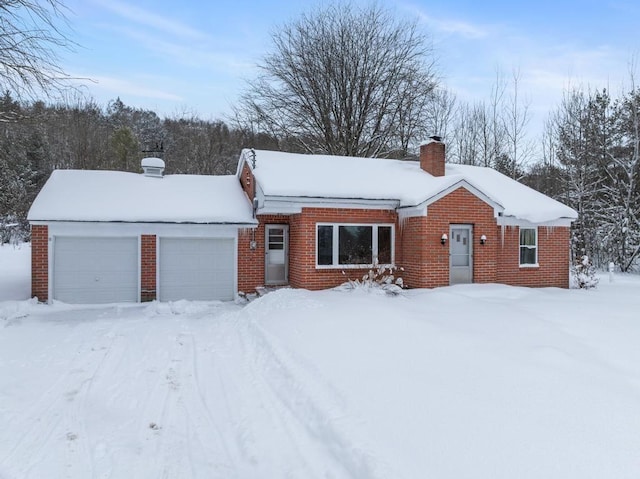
(95, 270)
(196, 269)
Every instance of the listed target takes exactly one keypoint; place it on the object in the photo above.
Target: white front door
(460, 254)
(276, 254)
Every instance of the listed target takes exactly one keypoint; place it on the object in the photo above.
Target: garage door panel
(95, 270)
(197, 269)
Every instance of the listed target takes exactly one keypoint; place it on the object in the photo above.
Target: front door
(460, 254)
(276, 254)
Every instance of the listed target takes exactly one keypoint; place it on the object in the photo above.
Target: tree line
(36, 138)
(343, 80)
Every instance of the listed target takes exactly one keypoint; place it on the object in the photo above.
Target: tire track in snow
(57, 402)
(291, 385)
(186, 431)
(203, 410)
(305, 414)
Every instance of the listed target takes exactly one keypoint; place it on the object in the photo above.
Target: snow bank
(15, 271)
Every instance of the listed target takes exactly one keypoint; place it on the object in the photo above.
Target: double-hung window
(528, 247)
(353, 244)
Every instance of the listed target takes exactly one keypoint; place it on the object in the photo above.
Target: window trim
(534, 247)
(335, 241)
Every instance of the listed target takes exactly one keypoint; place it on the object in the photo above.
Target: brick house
(308, 221)
(324, 218)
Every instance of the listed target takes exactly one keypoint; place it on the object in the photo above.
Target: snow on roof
(87, 195)
(153, 162)
(325, 176)
(518, 200)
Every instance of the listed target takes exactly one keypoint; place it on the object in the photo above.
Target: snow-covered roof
(87, 195)
(297, 175)
(153, 162)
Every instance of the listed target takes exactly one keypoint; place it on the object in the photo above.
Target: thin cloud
(124, 87)
(186, 53)
(453, 27)
(151, 19)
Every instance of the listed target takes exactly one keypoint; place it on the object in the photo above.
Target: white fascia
(115, 229)
(294, 205)
(422, 209)
(513, 221)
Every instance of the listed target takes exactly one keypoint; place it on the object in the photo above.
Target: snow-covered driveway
(482, 381)
(187, 390)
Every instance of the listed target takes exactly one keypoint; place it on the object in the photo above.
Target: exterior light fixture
(483, 240)
(443, 239)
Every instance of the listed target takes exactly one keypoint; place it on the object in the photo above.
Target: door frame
(469, 228)
(285, 228)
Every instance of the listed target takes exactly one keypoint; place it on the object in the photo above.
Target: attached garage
(114, 236)
(95, 269)
(196, 269)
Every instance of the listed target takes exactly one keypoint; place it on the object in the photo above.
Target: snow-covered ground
(479, 381)
(15, 271)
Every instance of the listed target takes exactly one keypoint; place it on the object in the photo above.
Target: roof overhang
(268, 204)
(243, 224)
(421, 209)
(513, 221)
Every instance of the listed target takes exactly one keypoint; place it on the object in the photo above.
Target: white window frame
(335, 264)
(534, 247)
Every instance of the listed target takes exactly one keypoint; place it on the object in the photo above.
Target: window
(355, 245)
(528, 246)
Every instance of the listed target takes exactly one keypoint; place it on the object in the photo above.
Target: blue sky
(193, 56)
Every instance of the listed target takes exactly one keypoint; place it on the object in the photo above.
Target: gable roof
(295, 175)
(116, 196)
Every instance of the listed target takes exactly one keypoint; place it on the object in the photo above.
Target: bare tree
(441, 113)
(344, 80)
(479, 133)
(516, 120)
(29, 37)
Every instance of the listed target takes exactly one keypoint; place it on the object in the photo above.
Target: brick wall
(418, 249)
(302, 246)
(426, 261)
(247, 181)
(148, 267)
(40, 262)
(432, 158)
(553, 259)
(251, 261)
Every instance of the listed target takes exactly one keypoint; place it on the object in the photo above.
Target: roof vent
(153, 167)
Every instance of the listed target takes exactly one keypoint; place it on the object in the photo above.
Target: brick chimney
(432, 156)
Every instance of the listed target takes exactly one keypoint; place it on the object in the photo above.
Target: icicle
(551, 230)
(502, 234)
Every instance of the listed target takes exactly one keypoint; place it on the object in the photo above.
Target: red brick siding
(417, 247)
(432, 158)
(247, 181)
(148, 264)
(251, 262)
(426, 261)
(553, 259)
(302, 245)
(40, 262)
